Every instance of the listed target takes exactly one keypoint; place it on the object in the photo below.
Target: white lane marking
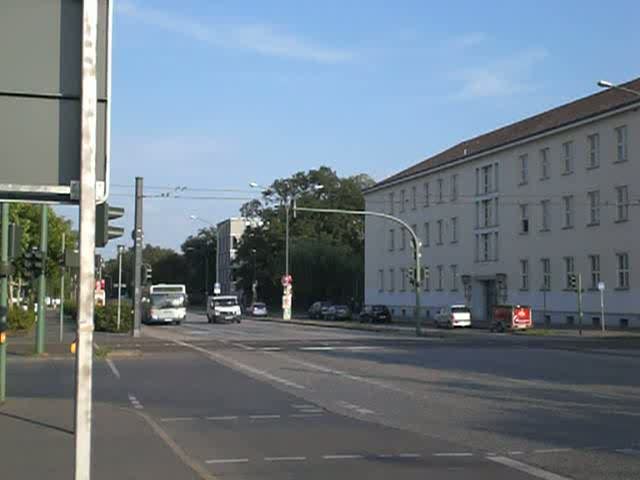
(530, 469)
(306, 415)
(312, 410)
(355, 408)
(453, 454)
(552, 450)
(317, 349)
(516, 452)
(134, 401)
(225, 417)
(113, 368)
(284, 459)
(243, 346)
(241, 366)
(303, 405)
(177, 419)
(263, 417)
(271, 349)
(226, 460)
(628, 451)
(341, 457)
(360, 347)
(409, 455)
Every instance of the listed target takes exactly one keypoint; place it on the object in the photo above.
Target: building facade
(508, 216)
(230, 232)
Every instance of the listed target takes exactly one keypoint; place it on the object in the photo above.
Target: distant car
(258, 309)
(338, 312)
(453, 316)
(318, 309)
(375, 314)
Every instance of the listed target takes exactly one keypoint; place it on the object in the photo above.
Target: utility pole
(120, 251)
(4, 262)
(601, 287)
(137, 263)
(580, 312)
(62, 289)
(42, 280)
(286, 311)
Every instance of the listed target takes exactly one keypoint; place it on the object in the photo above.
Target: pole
(206, 270)
(42, 280)
(119, 285)
(602, 321)
(137, 263)
(417, 282)
(286, 311)
(4, 285)
(580, 312)
(62, 290)
(544, 304)
(84, 349)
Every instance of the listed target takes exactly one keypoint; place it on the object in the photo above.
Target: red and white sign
(522, 315)
(286, 280)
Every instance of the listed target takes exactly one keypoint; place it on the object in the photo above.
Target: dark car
(318, 309)
(338, 312)
(375, 314)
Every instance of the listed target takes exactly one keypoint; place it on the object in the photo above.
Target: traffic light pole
(4, 259)
(580, 312)
(42, 280)
(63, 270)
(137, 264)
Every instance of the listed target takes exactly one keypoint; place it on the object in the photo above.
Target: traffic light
(147, 273)
(34, 261)
(412, 276)
(573, 281)
(104, 231)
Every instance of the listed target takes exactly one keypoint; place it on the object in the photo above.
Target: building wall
(606, 239)
(230, 232)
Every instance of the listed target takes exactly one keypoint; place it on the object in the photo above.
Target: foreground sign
(40, 88)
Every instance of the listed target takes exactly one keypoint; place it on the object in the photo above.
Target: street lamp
(608, 84)
(120, 253)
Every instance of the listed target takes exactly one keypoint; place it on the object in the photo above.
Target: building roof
(578, 110)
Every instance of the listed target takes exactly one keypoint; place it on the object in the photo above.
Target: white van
(223, 308)
(453, 316)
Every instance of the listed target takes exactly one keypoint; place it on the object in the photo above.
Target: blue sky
(215, 94)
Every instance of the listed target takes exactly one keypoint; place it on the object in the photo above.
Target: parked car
(375, 314)
(453, 316)
(258, 309)
(318, 309)
(338, 312)
(511, 317)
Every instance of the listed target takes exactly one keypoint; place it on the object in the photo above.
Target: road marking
(305, 415)
(312, 410)
(341, 457)
(284, 459)
(453, 454)
(263, 417)
(241, 366)
(552, 450)
(243, 346)
(227, 460)
(304, 405)
(409, 455)
(271, 349)
(356, 408)
(177, 419)
(134, 401)
(516, 452)
(530, 469)
(226, 417)
(113, 368)
(317, 349)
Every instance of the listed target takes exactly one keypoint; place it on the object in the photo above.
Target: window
(426, 194)
(593, 161)
(487, 213)
(621, 142)
(414, 200)
(546, 273)
(524, 168)
(454, 187)
(403, 199)
(622, 203)
(483, 247)
(545, 167)
(427, 235)
(485, 180)
(569, 269)
(392, 279)
(403, 279)
(524, 274)
(380, 280)
(524, 218)
(440, 190)
(392, 239)
(594, 207)
(391, 203)
(546, 219)
(454, 278)
(567, 157)
(440, 232)
(594, 264)
(622, 263)
(495, 246)
(403, 238)
(567, 204)
(454, 229)
(440, 277)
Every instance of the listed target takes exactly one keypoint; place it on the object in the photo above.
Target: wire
(185, 188)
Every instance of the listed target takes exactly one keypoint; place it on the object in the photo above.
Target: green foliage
(21, 320)
(106, 318)
(71, 309)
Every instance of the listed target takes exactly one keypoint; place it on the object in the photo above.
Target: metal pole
(580, 313)
(417, 282)
(42, 281)
(206, 270)
(544, 302)
(62, 290)
(119, 285)
(84, 349)
(4, 285)
(137, 264)
(602, 321)
(286, 311)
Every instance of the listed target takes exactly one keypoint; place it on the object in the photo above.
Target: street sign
(286, 280)
(216, 289)
(40, 100)
(601, 286)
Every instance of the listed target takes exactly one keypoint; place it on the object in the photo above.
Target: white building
(506, 217)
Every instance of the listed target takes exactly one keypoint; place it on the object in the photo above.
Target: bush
(21, 320)
(106, 318)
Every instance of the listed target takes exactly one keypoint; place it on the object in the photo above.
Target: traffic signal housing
(573, 281)
(34, 261)
(147, 273)
(105, 231)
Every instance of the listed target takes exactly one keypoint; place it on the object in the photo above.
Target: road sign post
(63, 271)
(42, 281)
(137, 261)
(601, 288)
(580, 312)
(120, 252)
(4, 259)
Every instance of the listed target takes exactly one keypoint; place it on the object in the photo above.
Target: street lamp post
(607, 84)
(120, 252)
(417, 245)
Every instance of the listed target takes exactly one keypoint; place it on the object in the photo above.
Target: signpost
(287, 282)
(601, 287)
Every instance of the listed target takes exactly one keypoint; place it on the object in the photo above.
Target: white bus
(167, 304)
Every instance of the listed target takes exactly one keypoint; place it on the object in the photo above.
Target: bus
(166, 304)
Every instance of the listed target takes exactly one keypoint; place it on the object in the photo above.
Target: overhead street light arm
(607, 84)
